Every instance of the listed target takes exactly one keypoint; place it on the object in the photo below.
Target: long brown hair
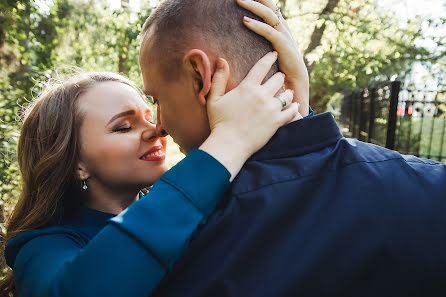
(47, 153)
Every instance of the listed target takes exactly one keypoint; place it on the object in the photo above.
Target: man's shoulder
(346, 154)
(355, 151)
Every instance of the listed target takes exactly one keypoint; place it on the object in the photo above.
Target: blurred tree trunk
(318, 32)
(25, 43)
(124, 49)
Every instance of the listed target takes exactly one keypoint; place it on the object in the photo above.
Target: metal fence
(407, 120)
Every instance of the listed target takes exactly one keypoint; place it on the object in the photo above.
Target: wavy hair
(48, 153)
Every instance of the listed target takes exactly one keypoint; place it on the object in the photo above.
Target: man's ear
(82, 172)
(197, 63)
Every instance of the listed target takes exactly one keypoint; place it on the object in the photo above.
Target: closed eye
(122, 129)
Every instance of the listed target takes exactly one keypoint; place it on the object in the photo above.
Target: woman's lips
(156, 153)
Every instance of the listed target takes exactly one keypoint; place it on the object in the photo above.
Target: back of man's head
(214, 26)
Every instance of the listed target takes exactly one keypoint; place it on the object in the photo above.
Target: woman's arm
(131, 254)
(276, 30)
(134, 251)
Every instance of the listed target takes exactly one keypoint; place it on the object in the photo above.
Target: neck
(109, 200)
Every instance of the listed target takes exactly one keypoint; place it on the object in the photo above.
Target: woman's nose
(149, 133)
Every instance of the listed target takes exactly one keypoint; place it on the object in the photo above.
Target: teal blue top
(102, 254)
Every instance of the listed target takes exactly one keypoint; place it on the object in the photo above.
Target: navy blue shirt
(316, 214)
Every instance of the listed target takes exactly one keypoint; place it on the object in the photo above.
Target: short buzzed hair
(215, 25)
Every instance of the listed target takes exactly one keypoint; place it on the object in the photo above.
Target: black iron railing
(408, 120)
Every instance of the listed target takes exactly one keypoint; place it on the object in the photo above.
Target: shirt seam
(184, 192)
(140, 242)
(333, 169)
(323, 143)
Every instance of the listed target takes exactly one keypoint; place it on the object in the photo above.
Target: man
(311, 213)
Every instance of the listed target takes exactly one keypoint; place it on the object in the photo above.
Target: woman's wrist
(228, 149)
(301, 95)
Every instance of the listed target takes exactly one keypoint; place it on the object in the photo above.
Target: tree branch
(316, 37)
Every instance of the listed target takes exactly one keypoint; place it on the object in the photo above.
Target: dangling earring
(84, 187)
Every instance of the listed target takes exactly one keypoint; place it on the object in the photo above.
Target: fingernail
(275, 53)
(246, 19)
(220, 64)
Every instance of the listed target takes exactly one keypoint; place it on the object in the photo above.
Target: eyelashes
(122, 129)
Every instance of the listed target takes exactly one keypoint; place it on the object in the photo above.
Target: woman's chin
(155, 175)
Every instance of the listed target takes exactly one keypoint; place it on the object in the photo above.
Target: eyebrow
(121, 114)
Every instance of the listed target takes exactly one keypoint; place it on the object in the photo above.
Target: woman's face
(119, 148)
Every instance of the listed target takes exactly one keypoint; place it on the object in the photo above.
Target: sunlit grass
(425, 137)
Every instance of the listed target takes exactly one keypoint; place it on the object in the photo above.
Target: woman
(63, 241)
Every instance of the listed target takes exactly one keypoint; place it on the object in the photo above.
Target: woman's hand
(276, 31)
(244, 119)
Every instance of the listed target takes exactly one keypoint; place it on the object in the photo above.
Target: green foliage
(36, 43)
(361, 44)
(8, 141)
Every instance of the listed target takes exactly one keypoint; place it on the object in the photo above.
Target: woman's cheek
(118, 147)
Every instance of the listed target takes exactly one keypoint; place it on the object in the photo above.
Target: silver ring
(282, 100)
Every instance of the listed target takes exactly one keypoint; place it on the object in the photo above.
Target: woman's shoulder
(46, 237)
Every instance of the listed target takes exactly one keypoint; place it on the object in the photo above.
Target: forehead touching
(149, 67)
(161, 57)
(155, 61)
(106, 99)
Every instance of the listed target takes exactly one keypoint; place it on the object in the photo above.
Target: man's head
(182, 40)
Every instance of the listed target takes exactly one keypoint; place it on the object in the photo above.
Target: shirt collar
(301, 137)
(88, 216)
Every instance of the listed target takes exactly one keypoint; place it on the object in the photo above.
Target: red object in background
(401, 110)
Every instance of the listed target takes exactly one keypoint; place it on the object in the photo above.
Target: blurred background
(378, 65)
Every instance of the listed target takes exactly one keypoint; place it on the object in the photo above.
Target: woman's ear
(197, 63)
(82, 172)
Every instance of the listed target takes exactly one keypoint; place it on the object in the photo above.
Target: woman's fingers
(262, 29)
(275, 83)
(270, 15)
(271, 5)
(275, 37)
(260, 69)
(285, 99)
(219, 80)
(268, 3)
(289, 114)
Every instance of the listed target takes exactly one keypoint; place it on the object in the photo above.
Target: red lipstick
(156, 153)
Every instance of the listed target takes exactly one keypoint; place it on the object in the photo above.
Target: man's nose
(160, 131)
